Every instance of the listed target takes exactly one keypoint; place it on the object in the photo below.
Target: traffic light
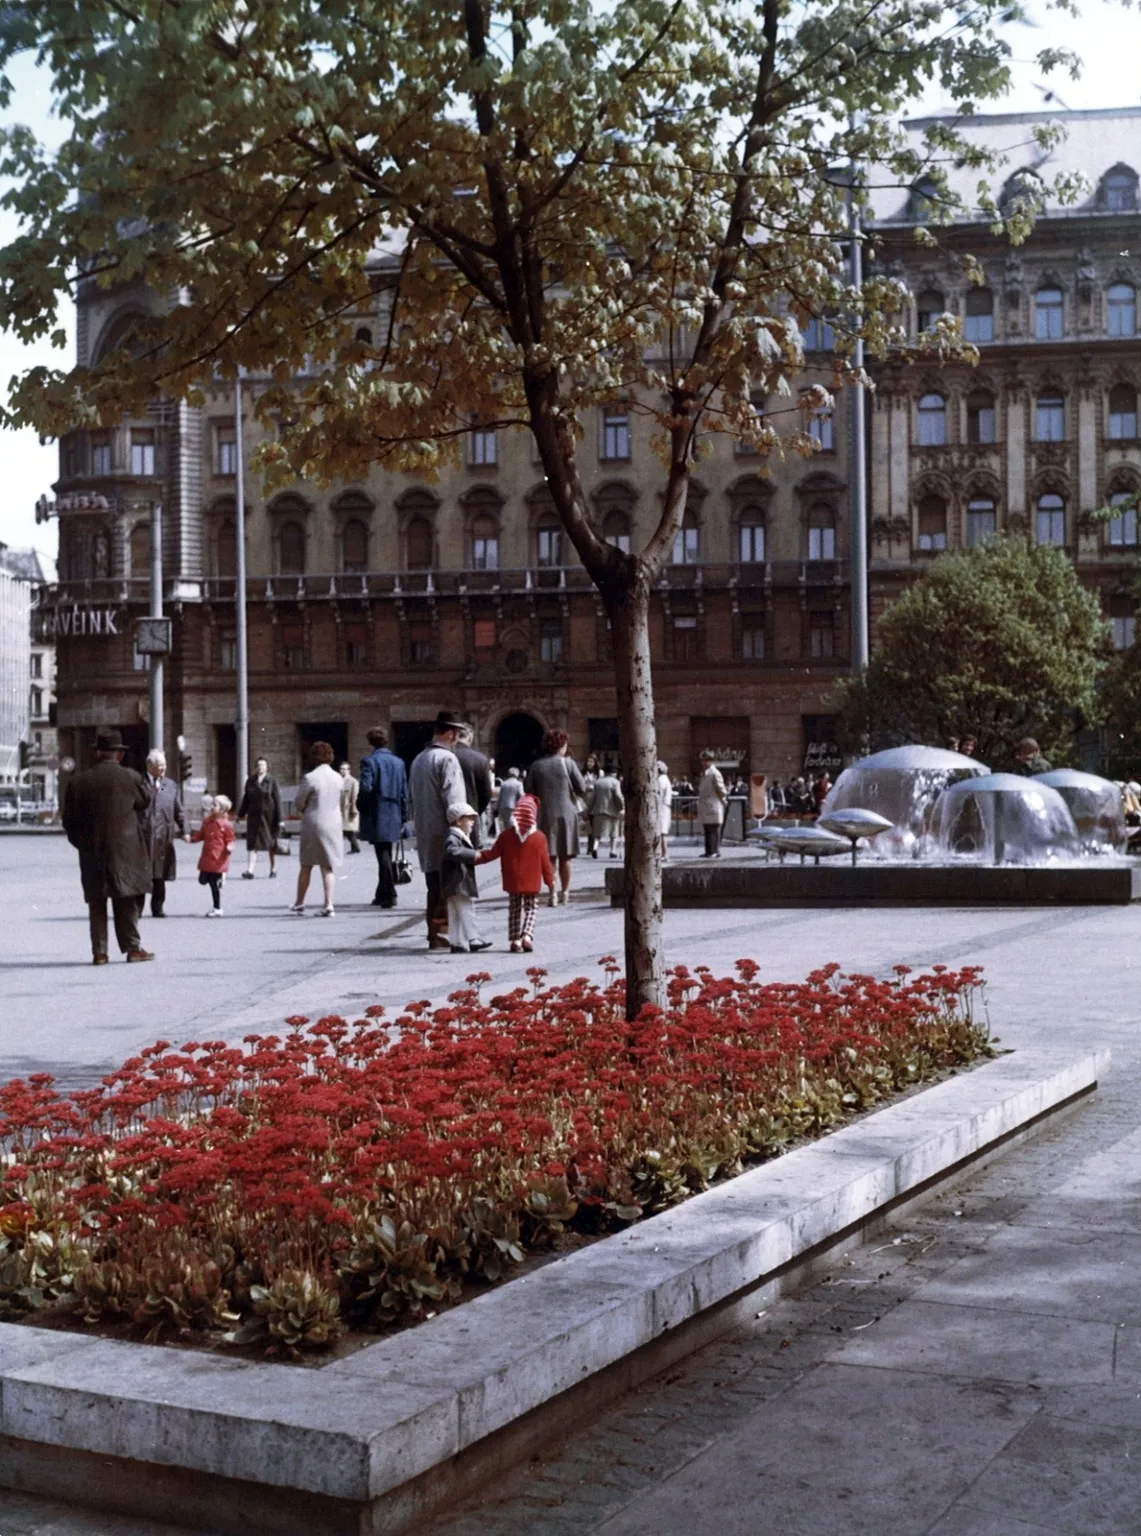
(185, 766)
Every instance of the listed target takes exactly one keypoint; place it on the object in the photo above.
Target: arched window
(687, 541)
(1049, 314)
(354, 546)
(932, 530)
(1051, 519)
(1050, 417)
(484, 542)
(1122, 411)
(549, 544)
(364, 334)
(616, 529)
(140, 544)
(978, 322)
(928, 307)
(291, 549)
(982, 520)
(981, 418)
(226, 551)
(932, 420)
(418, 544)
(1119, 189)
(1123, 525)
(1121, 310)
(821, 532)
(751, 535)
(1022, 192)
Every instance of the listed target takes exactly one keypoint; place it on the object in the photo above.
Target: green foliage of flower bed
(363, 1174)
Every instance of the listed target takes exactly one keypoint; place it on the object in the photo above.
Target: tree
(999, 642)
(562, 202)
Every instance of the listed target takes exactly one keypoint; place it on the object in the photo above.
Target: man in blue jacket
(383, 804)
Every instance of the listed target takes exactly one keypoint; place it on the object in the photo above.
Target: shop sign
(55, 623)
(823, 757)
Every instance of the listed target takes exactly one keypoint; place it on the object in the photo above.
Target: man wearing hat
(103, 814)
(435, 784)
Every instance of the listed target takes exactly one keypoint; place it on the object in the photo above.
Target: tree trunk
(628, 609)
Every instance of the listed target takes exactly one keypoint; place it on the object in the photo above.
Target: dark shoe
(99, 960)
(159, 913)
(478, 944)
(247, 874)
(134, 956)
(272, 874)
(441, 946)
(387, 905)
(458, 949)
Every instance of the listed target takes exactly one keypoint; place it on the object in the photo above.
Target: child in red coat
(526, 867)
(216, 834)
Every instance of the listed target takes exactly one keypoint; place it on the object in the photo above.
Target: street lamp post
(242, 723)
(859, 455)
(158, 659)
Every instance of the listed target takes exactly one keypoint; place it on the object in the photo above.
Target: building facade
(376, 603)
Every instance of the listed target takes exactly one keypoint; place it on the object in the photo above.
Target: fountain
(1095, 805)
(1001, 818)
(900, 785)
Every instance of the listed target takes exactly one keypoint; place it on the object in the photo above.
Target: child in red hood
(216, 834)
(526, 867)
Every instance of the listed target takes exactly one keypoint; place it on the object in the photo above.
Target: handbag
(401, 869)
(577, 800)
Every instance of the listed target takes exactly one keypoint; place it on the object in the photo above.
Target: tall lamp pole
(158, 659)
(859, 455)
(242, 723)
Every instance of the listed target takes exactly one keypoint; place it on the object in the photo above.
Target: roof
(21, 563)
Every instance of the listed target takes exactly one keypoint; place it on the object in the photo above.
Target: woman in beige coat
(322, 837)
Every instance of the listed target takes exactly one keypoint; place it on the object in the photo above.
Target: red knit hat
(526, 812)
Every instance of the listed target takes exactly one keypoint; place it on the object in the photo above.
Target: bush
(364, 1173)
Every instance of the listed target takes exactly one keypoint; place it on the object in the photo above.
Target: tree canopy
(997, 642)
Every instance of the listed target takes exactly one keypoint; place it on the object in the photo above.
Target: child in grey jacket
(457, 881)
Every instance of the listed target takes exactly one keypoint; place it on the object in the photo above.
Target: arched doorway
(518, 738)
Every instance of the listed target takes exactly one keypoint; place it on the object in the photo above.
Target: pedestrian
(1028, 757)
(665, 809)
(711, 798)
(261, 808)
(458, 885)
(777, 798)
(590, 772)
(968, 746)
(510, 793)
(322, 841)
(217, 836)
(383, 803)
(435, 782)
(104, 808)
(478, 787)
(165, 822)
(554, 779)
(605, 807)
(526, 868)
(350, 811)
(820, 791)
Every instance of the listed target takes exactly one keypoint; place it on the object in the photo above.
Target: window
(142, 453)
(982, 521)
(228, 650)
(751, 535)
(820, 428)
(1021, 192)
(685, 637)
(1124, 627)
(227, 451)
(753, 636)
(226, 551)
(354, 546)
(1122, 411)
(616, 529)
(1121, 310)
(615, 433)
(1049, 314)
(420, 644)
(483, 447)
(37, 703)
(100, 456)
(758, 401)
(356, 645)
(928, 307)
(485, 637)
(363, 334)
(550, 640)
(932, 421)
(1051, 520)
(821, 636)
(687, 542)
(1119, 190)
(484, 543)
(549, 545)
(1123, 526)
(37, 664)
(1050, 418)
(418, 543)
(819, 336)
(822, 534)
(140, 547)
(982, 423)
(291, 549)
(978, 322)
(932, 529)
(293, 647)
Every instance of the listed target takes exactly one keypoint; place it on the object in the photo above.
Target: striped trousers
(521, 916)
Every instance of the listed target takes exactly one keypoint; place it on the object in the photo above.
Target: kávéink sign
(76, 620)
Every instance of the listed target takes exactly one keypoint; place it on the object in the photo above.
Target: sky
(1105, 35)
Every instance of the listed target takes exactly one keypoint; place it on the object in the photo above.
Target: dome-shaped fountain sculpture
(1095, 804)
(1002, 818)
(902, 785)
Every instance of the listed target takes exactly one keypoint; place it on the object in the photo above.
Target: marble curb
(360, 1427)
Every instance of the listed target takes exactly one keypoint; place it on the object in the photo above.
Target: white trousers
(461, 921)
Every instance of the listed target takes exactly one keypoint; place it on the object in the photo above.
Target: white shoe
(552, 899)
(298, 908)
(327, 912)
(564, 897)
(214, 912)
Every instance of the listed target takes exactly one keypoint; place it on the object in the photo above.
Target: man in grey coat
(435, 784)
(165, 821)
(478, 786)
(103, 812)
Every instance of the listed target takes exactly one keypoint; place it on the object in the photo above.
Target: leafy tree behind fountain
(999, 642)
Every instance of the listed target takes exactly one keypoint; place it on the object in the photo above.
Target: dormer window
(1118, 191)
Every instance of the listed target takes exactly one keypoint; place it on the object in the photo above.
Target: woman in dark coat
(261, 806)
(561, 790)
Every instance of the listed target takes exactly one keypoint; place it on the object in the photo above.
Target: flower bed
(364, 1173)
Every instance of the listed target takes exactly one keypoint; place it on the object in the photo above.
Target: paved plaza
(976, 1371)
